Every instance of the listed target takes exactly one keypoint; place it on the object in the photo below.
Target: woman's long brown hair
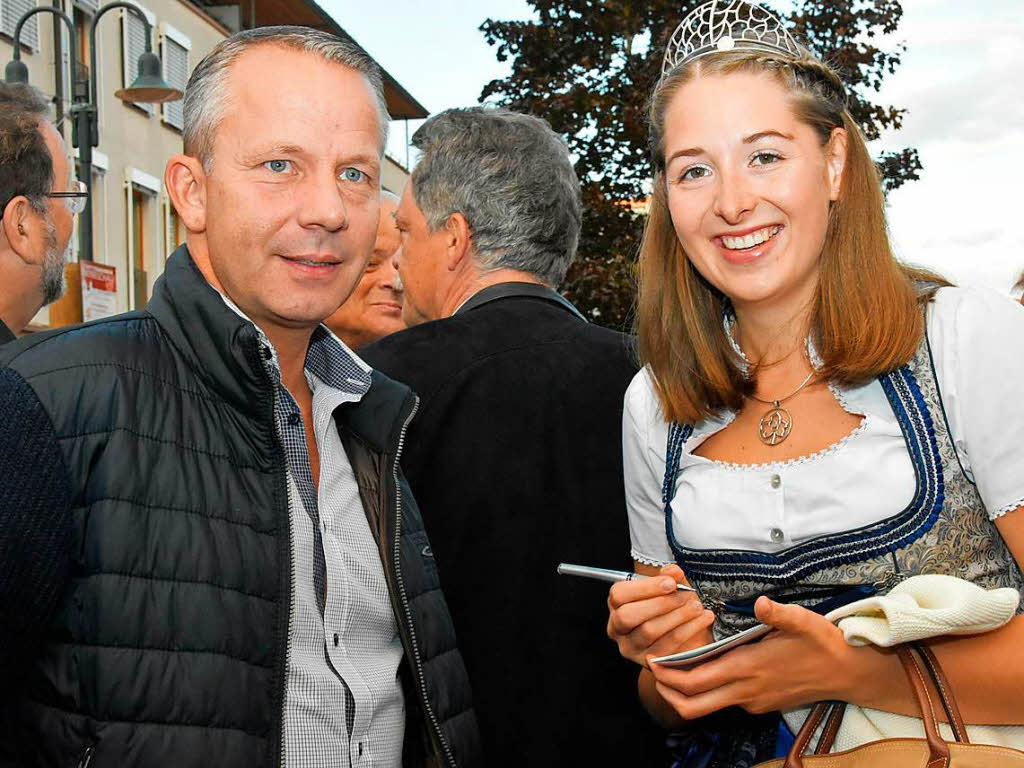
(866, 316)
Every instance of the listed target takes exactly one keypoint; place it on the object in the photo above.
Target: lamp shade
(149, 87)
(16, 72)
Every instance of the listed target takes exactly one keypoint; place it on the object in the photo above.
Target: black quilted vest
(168, 647)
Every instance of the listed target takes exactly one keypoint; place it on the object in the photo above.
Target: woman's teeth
(749, 241)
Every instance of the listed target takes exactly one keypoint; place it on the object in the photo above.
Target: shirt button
(777, 535)
(776, 481)
(336, 639)
(294, 419)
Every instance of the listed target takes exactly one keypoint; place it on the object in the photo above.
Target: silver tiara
(726, 25)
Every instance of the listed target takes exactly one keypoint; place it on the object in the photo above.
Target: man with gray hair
(208, 553)
(515, 455)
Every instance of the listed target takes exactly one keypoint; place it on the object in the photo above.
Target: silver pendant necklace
(777, 422)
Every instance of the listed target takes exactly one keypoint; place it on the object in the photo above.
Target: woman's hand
(650, 617)
(805, 660)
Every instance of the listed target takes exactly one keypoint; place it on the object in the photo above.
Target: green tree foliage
(588, 66)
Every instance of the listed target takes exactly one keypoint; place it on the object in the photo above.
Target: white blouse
(977, 339)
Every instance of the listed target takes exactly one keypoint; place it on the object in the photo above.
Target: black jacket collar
(5, 333)
(222, 348)
(517, 289)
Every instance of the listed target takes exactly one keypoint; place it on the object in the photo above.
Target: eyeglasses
(75, 198)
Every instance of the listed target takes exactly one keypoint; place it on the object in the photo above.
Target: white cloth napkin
(925, 606)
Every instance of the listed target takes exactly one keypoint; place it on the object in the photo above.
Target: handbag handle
(938, 750)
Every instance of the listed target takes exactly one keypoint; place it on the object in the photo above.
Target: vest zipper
(282, 480)
(86, 757)
(288, 591)
(404, 600)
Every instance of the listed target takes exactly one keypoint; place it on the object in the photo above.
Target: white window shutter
(10, 12)
(176, 72)
(133, 45)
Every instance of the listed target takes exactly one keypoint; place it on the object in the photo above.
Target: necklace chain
(784, 399)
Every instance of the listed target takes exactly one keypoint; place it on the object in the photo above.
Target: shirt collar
(328, 358)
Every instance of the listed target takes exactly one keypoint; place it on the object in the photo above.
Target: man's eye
(353, 174)
(278, 166)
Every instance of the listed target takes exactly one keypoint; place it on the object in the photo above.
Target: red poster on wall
(99, 290)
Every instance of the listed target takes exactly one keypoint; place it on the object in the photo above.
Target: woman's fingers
(681, 623)
(702, 678)
(791, 618)
(650, 612)
(674, 572)
(627, 617)
(692, 634)
(693, 707)
(624, 592)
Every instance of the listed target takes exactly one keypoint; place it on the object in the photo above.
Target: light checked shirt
(343, 702)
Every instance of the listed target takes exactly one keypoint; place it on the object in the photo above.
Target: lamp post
(149, 87)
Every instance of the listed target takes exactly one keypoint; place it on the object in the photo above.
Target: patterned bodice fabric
(945, 529)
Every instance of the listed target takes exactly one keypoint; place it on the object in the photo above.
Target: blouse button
(776, 481)
(777, 535)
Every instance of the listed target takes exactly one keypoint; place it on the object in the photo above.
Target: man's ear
(24, 229)
(836, 160)
(185, 180)
(459, 240)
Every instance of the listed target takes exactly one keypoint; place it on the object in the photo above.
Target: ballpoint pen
(608, 575)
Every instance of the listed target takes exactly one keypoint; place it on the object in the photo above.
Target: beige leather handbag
(929, 752)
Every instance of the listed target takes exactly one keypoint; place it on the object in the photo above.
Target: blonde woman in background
(815, 421)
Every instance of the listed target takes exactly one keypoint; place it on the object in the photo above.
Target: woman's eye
(765, 158)
(695, 173)
(353, 174)
(278, 166)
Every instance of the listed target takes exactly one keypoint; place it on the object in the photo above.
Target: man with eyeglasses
(35, 226)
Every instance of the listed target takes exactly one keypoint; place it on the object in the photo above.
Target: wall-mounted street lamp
(149, 87)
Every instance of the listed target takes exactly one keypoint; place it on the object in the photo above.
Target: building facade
(135, 227)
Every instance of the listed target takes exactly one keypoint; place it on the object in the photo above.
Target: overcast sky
(962, 80)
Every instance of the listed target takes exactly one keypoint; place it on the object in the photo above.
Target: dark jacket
(516, 461)
(153, 449)
(5, 333)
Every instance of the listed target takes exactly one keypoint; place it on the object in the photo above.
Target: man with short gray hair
(208, 553)
(515, 454)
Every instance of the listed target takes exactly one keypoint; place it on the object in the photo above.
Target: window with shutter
(10, 12)
(133, 44)
(89, 5)
(174, 53)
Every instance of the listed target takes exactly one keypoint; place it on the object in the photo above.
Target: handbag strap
(803, 738)
(938, 750)
(831, 728)
(956, 721)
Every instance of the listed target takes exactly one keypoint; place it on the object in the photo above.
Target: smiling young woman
(815, 421)
(866, 313)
